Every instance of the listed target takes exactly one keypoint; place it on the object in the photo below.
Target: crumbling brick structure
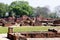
(56, 22)
(51, 33)
(28, 21)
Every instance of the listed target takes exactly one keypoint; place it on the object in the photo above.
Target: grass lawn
(23, 29)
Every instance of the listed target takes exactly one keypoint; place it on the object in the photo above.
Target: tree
(53, 15)
(3, 9)
(43, 11)
(19, 8)
(57, 10)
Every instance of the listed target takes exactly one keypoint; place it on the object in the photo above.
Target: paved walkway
(43, 38)
(3, 37)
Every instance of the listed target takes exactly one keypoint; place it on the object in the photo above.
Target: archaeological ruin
(29, 21)
(51, 33)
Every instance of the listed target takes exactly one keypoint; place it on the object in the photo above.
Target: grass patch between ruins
(23, 29)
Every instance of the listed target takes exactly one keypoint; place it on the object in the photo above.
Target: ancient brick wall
(51, 33)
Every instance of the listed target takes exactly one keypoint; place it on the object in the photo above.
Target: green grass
(20, 29)
(3, 30)
(23, 29)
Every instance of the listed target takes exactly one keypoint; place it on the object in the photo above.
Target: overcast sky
(48, 3)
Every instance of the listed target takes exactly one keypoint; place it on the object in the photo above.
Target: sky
(51, 4)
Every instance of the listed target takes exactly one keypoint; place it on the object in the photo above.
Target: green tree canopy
(20, 8)
(3, 9)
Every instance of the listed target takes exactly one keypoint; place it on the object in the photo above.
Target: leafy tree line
(19, 8)
(3, 9)
(16, 8)
(45, 12)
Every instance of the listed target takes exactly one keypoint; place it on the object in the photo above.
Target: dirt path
(3, 37)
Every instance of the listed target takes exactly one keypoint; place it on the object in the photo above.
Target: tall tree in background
(53, 15)
(19, 8)
(57, 10)
(41, 11)
(3, 9)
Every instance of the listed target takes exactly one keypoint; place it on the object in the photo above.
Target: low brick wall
(15, 36)
(51, 33)
(24, 36)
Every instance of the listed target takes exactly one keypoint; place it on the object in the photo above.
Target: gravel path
(3, 37)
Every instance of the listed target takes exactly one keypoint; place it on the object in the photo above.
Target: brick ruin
(56, 22)
(29, 21)
(51, 33)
